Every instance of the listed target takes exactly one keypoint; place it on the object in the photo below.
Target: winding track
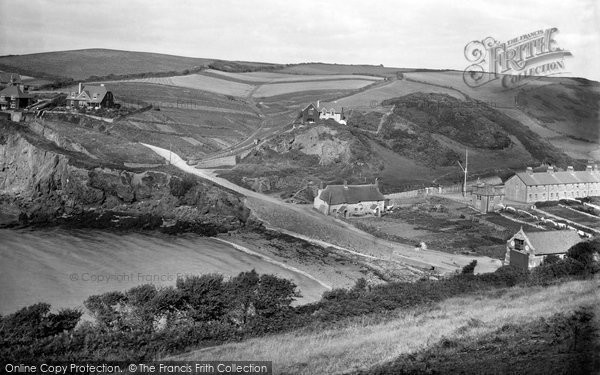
(381, 249)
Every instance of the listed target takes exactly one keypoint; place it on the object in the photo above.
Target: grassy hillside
(417, 139)
(81, 64)
(366, 342)
(571, 109)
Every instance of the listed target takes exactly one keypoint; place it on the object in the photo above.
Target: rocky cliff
(44, 184)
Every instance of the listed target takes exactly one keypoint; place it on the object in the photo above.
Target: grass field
(274, 89)
(372, 98)
(363, 343)
(274, 77)
(81, 64)
(320, 68)
(201, 82)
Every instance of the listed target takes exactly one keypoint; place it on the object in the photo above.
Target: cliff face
(40, 183)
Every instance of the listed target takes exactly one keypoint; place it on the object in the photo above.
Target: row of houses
(532, 187)
(552, 185)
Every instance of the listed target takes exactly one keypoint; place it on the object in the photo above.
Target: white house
(330, 111)
(350, 200)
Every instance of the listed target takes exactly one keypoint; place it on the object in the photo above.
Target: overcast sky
(418, 33)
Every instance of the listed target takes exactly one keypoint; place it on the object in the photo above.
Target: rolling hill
(223, 108)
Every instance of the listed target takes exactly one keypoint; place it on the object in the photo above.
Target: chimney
(376, 182)
(550, 169)
(318, 104)
(345, 184)
(529, 170)
(570, 168)
(80, 87)
(588, 169)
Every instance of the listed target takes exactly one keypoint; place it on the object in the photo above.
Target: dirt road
(306, 223)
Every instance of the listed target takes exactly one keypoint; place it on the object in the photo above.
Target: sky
(403, 34)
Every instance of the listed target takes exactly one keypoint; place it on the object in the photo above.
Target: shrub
(469, 268)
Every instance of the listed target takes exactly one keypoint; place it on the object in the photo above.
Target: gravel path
(305, 223)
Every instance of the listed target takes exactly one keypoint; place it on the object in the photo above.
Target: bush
(469, 268)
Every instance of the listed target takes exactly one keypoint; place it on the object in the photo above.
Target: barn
(350, 200)
(528, 250)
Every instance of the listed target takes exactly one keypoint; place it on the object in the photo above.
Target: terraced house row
(551, 185)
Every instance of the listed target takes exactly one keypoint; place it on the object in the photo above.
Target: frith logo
(516, 61)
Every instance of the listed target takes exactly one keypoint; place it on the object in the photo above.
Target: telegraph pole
(465, 170)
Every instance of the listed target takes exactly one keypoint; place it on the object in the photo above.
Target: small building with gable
(486, 197)
(531, 187)
(91, 96)
(350, 200)
(13, 98)
(528, 250)
(312, 113)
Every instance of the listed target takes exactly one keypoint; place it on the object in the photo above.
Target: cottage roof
(557, 178)
(487, 190)
(309, 106)
(90, 93)
(350, 194)
(15, 91)
(552, 242)
(6, 77)
(333, 106)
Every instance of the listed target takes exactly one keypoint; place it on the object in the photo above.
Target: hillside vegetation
(419, 139)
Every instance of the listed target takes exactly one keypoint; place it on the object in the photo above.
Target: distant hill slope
(86, 63)
(81, 64)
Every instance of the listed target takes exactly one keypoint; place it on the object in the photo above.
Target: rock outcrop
(44, 184)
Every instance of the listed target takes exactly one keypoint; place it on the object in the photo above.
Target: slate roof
(90, 91)
(487, 190)
(553, 242)
(558, 178)
(350, 194)
(14, 91)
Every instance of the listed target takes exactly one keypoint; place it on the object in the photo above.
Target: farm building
(486, 197)
(13, 97)
(313, 112)
(350, 200)
(528, 250)
(553, 185)
(91, 96)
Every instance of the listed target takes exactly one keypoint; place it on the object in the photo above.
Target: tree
(469, 269)
(36, 322)
(141, 311)
(205, 296)
(242, 291)
(106, 309)
(274, 295)
(587, 253)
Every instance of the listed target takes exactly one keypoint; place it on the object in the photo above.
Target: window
(551, 195)
(536, 196)
(529, 196)
(519, 244)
